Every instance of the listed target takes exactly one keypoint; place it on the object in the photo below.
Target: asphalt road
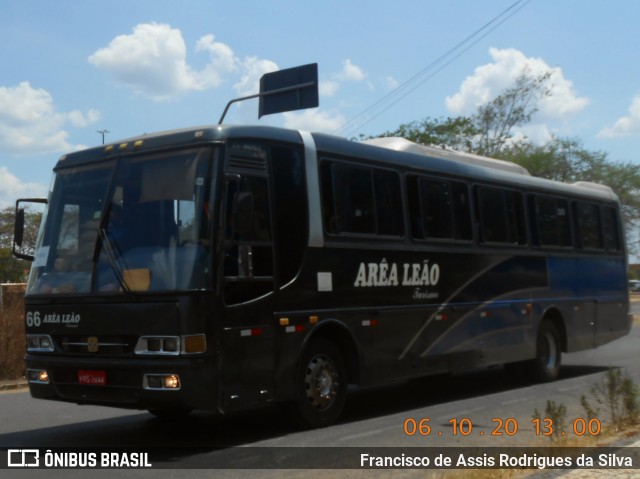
(462, 410)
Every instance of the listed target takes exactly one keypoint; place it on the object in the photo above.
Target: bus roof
(410, 155)
(402, 144)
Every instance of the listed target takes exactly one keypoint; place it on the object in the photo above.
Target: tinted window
(353, 198)
(437, 212)
(611, 229)
(589, 226)
(501, 216)
(388, 202)
(552, 221)
(361, 200)
(461, 211)
(439, 209)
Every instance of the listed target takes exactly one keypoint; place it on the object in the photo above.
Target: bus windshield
(132, 224)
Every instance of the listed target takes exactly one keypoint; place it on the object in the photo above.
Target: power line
(417, 80)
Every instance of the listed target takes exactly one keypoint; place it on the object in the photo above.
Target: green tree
(456, 133)
(514, 107)
(490, 129)
(567, 160)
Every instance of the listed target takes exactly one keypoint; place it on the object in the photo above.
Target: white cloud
(222, 61)
(11, 187)
(351, 72)
(153, 61)
(314, 120)
(252, 70)
(81, 120)
(392, 83)
(491, 79)
(328, 88)
(30, 124)
(627, 125)
(538, 134)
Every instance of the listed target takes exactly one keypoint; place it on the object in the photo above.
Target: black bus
(224, 267)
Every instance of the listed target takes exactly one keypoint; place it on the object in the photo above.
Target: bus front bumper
(158, 383)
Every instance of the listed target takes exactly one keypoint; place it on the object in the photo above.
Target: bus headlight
(171, 345)
(161, 381)
(161, 345)
(39, 343)
(39, 376)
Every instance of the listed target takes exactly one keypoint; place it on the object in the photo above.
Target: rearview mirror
(24, 244)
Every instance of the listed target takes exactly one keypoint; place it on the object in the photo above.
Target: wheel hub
(321, 382)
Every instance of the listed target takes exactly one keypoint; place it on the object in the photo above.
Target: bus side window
(388, 203)
(361, 200)
(353, 199)
(501, 216)
(461, 211)
(551, 218)
(587, 216)
(439, 209)
(611, 229)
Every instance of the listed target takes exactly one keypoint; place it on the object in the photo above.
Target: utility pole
(103, 132)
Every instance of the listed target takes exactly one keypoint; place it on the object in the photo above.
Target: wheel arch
(337, 332)
(555, 316)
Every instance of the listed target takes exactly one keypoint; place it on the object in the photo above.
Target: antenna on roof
(285, 90)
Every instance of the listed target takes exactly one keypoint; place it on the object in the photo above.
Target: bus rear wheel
(322, 384)
(546, 365)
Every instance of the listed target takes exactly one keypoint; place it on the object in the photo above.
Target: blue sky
(70, 68)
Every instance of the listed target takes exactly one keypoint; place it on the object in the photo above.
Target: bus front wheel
(546, 365)
(322, 384)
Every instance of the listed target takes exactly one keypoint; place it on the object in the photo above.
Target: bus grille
(96, 345)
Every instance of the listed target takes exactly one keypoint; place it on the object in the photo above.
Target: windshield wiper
(110, 249)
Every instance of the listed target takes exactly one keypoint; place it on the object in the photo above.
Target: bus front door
(246, 365)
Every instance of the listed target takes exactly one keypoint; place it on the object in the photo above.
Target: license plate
(92, 378)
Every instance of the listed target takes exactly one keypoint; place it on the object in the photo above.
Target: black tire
(546, 366)
(321, 384)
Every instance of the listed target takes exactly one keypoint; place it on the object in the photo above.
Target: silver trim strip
(316, 234)
(99, 344)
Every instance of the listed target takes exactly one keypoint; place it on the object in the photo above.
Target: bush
(12, 339)
(618, 395)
